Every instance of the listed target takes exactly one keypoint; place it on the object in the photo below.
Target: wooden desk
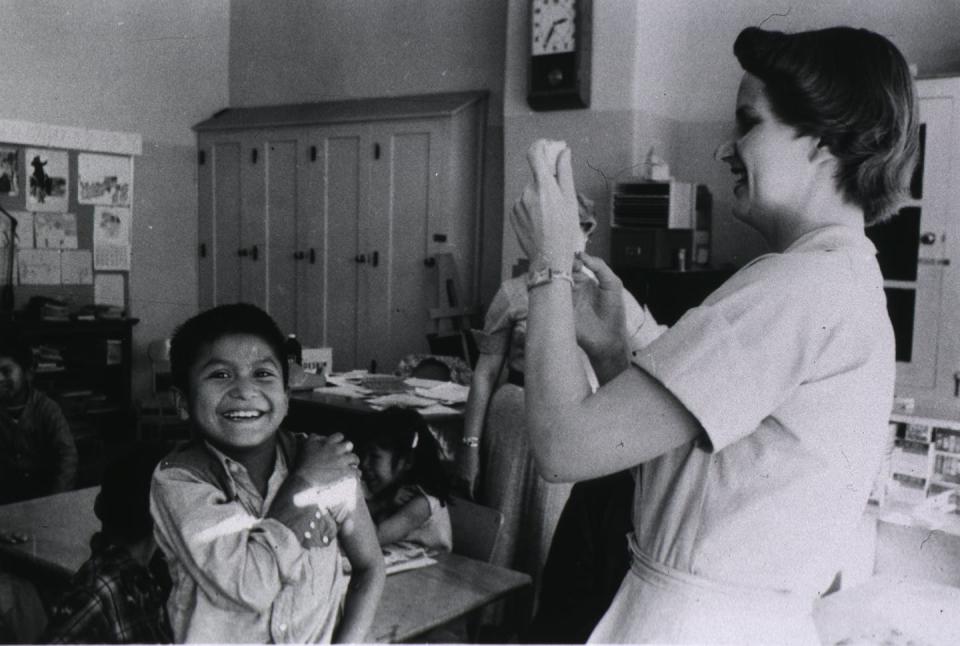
(318, 412)
(413, 601)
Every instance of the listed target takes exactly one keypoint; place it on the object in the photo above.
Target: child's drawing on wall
(103, 179)
(9, 171)
(49, 177)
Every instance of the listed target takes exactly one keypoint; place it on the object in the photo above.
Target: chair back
(476, 528)
(158, 351)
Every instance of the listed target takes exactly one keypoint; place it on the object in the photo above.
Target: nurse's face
(771, 163)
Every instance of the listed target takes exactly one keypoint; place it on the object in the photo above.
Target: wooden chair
(158, 414)
(476, 529)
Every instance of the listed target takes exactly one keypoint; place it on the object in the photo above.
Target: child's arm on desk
(358, 539)
(411, 515)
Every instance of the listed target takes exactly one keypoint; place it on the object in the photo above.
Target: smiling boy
(250, 561)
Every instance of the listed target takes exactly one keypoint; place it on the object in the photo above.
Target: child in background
(114, 598)
(250, 517)
(405, 484)
(38, 456)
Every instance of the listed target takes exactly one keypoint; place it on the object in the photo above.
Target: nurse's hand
(545, 217)
(600, 315)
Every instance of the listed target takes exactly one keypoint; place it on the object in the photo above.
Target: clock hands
(553, 28)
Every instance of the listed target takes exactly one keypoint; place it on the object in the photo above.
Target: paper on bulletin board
(39, 266)
(48, 180)
(103, 179)
(55, 230)
(111, 238)
(9, 171)
(108, 290)
(76, 267)
(24, 229)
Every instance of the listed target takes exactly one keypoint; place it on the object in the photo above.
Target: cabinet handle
(928, 238)
(298, 255)
(375, 258)
(253, 155)
(313, 256)
(243, 253)
(203, 249)
(360, 258)
(253, 252)
(430, 262)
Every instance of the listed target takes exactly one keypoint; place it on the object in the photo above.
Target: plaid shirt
(112, 599)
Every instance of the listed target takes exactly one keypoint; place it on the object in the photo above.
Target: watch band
(544, 276)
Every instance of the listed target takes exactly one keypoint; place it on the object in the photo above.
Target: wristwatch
(541, 273)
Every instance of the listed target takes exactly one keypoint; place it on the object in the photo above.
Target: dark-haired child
(114, 598)
(38, 456)
(406, 486)
(252, 518)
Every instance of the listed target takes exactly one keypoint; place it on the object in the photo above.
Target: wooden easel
(450, 319)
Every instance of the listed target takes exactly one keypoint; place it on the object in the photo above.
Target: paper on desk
(346, 390)
(448, 392)
(420, 382)
(438, 410)
(405, 400)
(412, 564)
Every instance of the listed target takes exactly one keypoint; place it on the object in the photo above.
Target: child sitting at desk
(252, 518)
(38, 456)
(114, 598)
(404, 481)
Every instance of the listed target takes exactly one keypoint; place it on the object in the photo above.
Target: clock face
(553, 26)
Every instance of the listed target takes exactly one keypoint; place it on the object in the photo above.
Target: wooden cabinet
(328, 216)
(919, 253)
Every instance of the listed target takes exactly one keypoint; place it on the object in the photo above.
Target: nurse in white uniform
(759, 417)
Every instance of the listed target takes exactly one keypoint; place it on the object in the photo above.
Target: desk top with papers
(56, 530)
(360, 391)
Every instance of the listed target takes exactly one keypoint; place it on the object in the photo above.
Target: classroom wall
(306, 50)
(153, 67)
(665, 76)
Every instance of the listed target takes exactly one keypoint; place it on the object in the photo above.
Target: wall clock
(559, 70)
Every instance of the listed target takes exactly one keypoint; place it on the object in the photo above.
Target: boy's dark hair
(852, 89)
(405, 434)
(123, 504)
(14, 346)
(207, 327)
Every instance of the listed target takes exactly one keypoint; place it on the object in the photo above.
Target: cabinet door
(918, 253)
(395, 288)
(334, 197)
(253, 219)
(219, 222)
(282, 213)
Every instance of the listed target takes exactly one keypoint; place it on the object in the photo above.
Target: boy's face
(237, 398)
(12, 380)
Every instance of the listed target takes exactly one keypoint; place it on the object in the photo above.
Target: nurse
(760, 416)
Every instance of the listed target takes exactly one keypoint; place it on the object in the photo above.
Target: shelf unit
(925, 458)
(90, 380)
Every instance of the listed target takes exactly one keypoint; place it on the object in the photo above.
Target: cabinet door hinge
(376, 151)
(201, 157)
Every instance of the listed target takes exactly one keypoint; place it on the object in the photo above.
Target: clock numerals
(553, 27)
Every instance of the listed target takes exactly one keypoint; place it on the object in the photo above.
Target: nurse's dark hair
(207, 327)
(852, 89)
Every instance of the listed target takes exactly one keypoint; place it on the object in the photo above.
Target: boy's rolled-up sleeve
(231, 555)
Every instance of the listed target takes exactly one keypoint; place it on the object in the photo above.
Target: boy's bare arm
(358, 539)
(323, 462)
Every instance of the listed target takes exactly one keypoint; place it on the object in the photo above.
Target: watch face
(553, 26)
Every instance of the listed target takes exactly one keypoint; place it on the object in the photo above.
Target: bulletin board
(71, 191)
